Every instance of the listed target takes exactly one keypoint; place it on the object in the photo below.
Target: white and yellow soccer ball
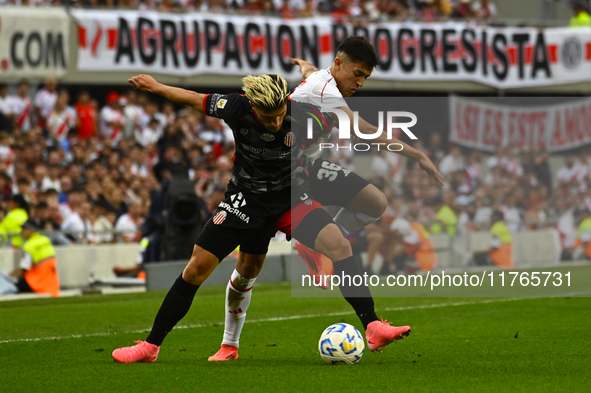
(341, 343)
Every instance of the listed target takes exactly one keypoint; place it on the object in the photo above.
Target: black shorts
(244, 219)
(332, 185)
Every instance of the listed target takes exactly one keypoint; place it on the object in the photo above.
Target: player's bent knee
(377, 204)
(197, 274)
(339, 249)
(370, 201)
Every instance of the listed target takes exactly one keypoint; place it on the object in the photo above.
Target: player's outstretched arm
(306, 67)
(175, 94)
(424, 162)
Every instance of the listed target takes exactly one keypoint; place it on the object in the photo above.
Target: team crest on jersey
(222, 103)
(268, 137)
(290, 139)
(244, 131)
(308, 202)
(219, 218)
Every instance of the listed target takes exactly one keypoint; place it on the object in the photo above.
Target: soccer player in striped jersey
(258, 199)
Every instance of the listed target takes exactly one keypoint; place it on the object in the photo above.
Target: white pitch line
(277, 319)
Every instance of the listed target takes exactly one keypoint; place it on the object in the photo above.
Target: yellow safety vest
(12, 225)
(500, 230)
(42, 276)
(447, 215)
(583, 19)
(585, 225)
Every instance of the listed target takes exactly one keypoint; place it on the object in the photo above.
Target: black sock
(358, 296)
(175, 306)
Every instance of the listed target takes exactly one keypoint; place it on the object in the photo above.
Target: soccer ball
(341, 343)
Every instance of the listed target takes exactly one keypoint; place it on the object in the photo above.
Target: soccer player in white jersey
(361, 202)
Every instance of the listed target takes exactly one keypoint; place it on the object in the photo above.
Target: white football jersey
(22, 110)
(45, 101)
(319, 89)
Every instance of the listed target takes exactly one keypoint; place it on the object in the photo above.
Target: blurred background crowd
(83, 167)
(86, 167)
(88, 162)
(531, 193)
(355, 11)
(423, 10)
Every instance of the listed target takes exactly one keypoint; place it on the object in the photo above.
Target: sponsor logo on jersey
(222, 103)
(268, 137)
(219, 218)
(244, 131)
(265, 152)
(290, 139)
(238, 200)
(235, 211)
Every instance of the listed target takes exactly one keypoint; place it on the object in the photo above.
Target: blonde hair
(267, 92)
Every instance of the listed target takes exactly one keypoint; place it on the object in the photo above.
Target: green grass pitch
(457, 345)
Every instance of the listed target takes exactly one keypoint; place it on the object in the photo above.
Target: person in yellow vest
(582, 246)
(38, 267)
(18, 213)
(447, 218)
(581, 17)
(501, 244)
(417, 244)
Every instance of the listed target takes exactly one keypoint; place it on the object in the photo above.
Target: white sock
(238, 293)
(349, 221)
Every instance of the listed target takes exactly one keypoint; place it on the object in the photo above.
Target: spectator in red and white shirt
(45, 101)
(62, 118)
(572, 175)
(22, 107)
(484, 9)
(511, 163)
(111, 119)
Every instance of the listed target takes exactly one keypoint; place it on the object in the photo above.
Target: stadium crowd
(83, 168)
(88, 169)
(517, 183)
(422, 10)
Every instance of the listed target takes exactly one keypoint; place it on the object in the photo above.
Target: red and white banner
(485, 126)
(190, 44)
(33, 42)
